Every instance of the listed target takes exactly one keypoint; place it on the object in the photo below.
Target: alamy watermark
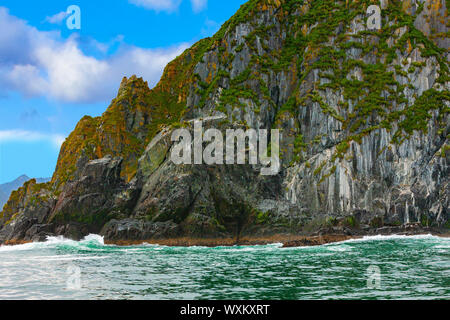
(73, 17)
(73, 14)
(373, 277)
(74, 277)
(235, 140)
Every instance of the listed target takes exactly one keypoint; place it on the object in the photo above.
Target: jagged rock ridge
(7, 188)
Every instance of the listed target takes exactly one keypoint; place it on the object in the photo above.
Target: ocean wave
(94, 242)
(91, 241)
(250, 248)
(340, 245)
(20, 247)
(397, 237)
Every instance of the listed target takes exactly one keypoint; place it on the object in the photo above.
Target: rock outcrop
(7, 188)
(363, 115)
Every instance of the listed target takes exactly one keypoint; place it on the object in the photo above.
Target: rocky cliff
(364, 127)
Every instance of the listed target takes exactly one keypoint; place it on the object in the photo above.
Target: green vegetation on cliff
(321, 35)
(275, 63)
(316, 38)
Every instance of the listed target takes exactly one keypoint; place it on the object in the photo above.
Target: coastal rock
(132, 229)
(363, 119)
(97, 196)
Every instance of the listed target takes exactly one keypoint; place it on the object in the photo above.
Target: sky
(57, 65)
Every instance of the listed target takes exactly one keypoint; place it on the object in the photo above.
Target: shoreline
(287, 240)
(317, 238)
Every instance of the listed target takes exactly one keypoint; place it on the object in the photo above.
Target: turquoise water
(409, 268)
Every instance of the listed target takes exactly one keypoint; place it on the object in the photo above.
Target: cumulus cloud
(199, 5)
(169, 5)
(57, 18)
(17, 39)
(158, 5)
(31, 136)
(38, 63)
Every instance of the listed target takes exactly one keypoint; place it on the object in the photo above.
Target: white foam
(53, 242)
(333, 246)
(95, 237)
(19, 247)
(68, 258)
(251, 248)
(88, 239)
(338, 248)
(396, 237)
(99, 241)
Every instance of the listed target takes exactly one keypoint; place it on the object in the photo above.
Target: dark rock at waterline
(315, 240)
(74, 231)
(132, 229)
(353, 161)
(39, 232)
(42, 236)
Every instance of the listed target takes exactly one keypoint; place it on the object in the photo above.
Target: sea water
(380, 267)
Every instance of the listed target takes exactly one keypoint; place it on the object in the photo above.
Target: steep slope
(364, 127)
(123, 130)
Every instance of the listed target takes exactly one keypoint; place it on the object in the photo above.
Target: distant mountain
(13, 185)
(3, 198)
(7, 188)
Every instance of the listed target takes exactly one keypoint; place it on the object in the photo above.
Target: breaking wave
(91, 242)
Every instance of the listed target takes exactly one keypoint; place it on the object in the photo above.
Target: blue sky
(51, 76)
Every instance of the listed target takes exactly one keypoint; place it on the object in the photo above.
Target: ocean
(379, 267)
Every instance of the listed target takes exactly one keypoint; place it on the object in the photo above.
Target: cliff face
(364, 127)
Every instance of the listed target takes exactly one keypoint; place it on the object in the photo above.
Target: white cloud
(169, 5)
(70, 74)
(27, 78)
(17, 39)
(57, 18)
(31, 136)
(38, 63)
(158, 5)
(199, 5)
